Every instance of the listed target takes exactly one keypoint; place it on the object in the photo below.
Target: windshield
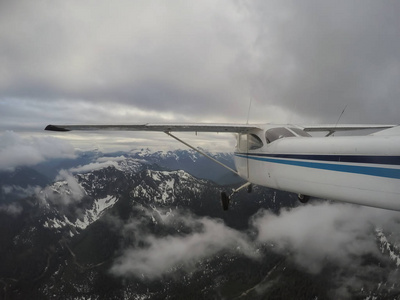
(300, 132)
(274, 134)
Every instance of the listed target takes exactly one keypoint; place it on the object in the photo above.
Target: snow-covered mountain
(86, 236)
(143, 181)
(193, 163)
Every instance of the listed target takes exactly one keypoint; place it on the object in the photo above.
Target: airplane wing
(199, 127)
(344, 127)
(210, 127)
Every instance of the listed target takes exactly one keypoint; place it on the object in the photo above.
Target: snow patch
(385, 245)
(90, 216)
(54, 223)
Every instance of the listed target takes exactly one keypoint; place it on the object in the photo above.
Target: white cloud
(319, 234)
(20, 191)
(17, 151)
(113, 159)
(13, 209)
(162, 255)
(101, 163)
(93, 166)
(338, 239)
(314, 237)
(64, 192)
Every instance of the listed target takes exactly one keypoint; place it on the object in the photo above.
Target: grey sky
(193, 61)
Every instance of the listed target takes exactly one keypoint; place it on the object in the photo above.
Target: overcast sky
(198, 61)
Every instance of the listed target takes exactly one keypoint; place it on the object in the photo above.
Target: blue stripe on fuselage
(367, 159)
(364, 170)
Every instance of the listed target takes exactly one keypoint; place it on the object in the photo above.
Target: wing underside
(200, 127)
(209, 127)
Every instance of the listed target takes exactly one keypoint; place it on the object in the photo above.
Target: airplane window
(274, 134)
(254, 142)
(243, 142)
(300, 132)
(249, 142)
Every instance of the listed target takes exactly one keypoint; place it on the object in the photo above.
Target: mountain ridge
(130, 206)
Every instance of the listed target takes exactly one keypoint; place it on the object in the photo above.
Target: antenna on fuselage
(248, 112)
(337, 122)
(341, 115)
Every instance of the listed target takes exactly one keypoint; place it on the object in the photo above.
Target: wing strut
(202, 153)
(225, 199)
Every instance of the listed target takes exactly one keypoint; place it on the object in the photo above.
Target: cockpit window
(249, 142)
(254, 142)
(242, 142)
(300, 132)
(274, 134)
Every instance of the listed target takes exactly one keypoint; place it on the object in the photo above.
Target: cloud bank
(315, 234)
(13, 209)
(161, 255)
(93, 167)
(339, 236)
(17, 151)
(316, 238)
(65, 192)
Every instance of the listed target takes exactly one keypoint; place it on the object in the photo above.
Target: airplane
(361, 169)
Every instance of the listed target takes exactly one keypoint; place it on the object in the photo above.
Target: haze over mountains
(149, 225)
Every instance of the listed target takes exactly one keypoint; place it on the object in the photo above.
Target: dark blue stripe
(365, 170)
(367, 159)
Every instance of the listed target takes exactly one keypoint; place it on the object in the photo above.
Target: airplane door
(242, 164)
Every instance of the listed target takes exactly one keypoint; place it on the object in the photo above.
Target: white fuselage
(358, 169)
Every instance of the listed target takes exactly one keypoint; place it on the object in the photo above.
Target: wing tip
(55, 128)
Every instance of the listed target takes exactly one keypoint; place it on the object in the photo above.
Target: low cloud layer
(161, 255)
(100, 163)
(19, 191)
(16, 150)
(64, 192)
(13, 209)
(323, 235)
(93, 167)
(314, 237)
